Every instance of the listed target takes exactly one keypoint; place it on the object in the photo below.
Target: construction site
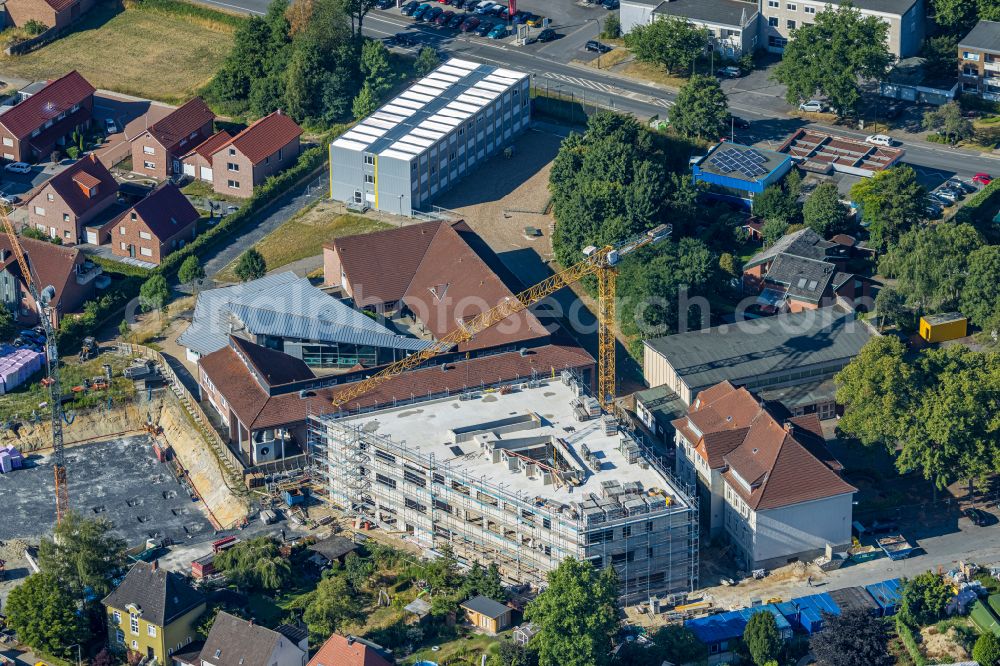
(521, 474)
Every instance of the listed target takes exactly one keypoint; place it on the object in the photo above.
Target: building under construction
(523, 475)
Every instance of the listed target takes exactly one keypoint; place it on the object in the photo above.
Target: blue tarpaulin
(887, 595)
(806, 613)
(727, 626)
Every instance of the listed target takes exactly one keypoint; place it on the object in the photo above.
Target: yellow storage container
(943, 327)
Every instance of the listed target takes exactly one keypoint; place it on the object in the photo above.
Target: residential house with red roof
(765, 479)
(51, 13)
(66, 269)
(351, 651)
(157, 151)
(71, 199)
(154, 227)
(45, 121)
(263, 149)
(197, 163)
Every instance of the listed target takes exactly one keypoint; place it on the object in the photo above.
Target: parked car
(444, 17)
(812, 106)
(431, 14)
(419, 11)
(879, 139)
(409, 8)
(547, 35)
(594, 45)
(499, 31)
(979, 517)
(469, 25)
(892, 111)
(611, 4)
(936, 198)
(959, 184)
(18, 167)
(741, 123)
(484, 28)
(9, 199)
(401, 39)
(946, 194)
(456, 20)
(933, 210)
(729, 72)
(484, 7)
(983, 179)
(519, 17)
(535, 21)
(110, 127)
(470, 5)
(385, 4)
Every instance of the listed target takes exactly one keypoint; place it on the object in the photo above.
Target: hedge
(910, 642)
(982, 207)
(73, 329)
(121, 268)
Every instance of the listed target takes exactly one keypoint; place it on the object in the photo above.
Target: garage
(189, 170)
(206, 173)
(92, 236)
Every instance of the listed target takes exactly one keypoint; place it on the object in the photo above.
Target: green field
(152, 51)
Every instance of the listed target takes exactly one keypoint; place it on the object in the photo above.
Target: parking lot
(454, 22)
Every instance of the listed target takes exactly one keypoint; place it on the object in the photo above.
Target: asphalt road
(753, 97)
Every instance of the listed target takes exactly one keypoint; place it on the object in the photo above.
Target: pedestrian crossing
(606, 89)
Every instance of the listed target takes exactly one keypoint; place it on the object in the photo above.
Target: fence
(565, 106)
(233, 468)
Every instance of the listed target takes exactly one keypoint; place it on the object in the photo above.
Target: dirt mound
(945, 646)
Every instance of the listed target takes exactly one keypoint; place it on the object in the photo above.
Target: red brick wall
(133, 237)
(22, 11)
(46, 215)
(158, 157)
(247, 174)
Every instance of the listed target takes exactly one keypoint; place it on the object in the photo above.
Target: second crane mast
(600, 261)
(52, 363)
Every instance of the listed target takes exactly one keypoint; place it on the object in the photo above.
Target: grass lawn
(303, 236)
(461, 650)
(199, 188)
(144, 52)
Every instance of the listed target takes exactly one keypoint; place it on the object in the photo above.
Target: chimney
(788, 426)
(155, 564)
(350, 640)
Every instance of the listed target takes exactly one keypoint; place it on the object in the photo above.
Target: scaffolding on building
(651, 539)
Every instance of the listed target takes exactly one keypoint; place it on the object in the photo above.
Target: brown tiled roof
(348, 651)
(256, 409)
(60, 5)
(52, 264)
(275, 367)
(181, 123)
(166, 211)
(57, 97)
(263, 138)
(87, 169)
(85, 180)
(208, 147)
(435, 272)
(234, 641)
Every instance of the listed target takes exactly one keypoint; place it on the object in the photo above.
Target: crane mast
(600, 261)
(52, 366)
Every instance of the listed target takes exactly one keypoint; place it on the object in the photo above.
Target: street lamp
(77, 646)
(400, 210)
(599, 44)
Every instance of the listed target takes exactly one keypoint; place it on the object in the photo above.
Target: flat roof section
(745, 163)
(454, 430)
(821, 152)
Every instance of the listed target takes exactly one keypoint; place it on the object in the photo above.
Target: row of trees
(942, 267)
(307, 58)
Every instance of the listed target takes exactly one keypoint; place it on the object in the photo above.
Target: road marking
(238, 7)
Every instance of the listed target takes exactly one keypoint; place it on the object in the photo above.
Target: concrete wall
(803, 530)
(632, 14)
(658, 372)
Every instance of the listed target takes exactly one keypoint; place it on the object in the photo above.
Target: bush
(910, 642)
(34, 28)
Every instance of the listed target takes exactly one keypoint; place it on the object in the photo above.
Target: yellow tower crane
(42, 300)
(600, 261)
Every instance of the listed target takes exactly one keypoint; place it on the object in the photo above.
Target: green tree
(824, 213)
(251, 266)
(924, 599)
(44, 614)
(986, 651)
(124, 329)
(939, 55)
(762, 638)
(772, 230)
(777, 204)
(670, 42)
(191, 270)
(980, 299)
(254, 564)
(357, 10)
(577, 615)
(375, 67)
(727, 264)
(930, 264)
(679, 644)
(427, 60)
(83, 553)
(365, 103)
(510, 653)
(947, 120)
(612, 27)
(851, 638)
(154, 292)
(831, 56)
(701, 109)
(890, 306)
(358, 570)
(957, 17)
(891, 201)
(245, 63)
(332, 604)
